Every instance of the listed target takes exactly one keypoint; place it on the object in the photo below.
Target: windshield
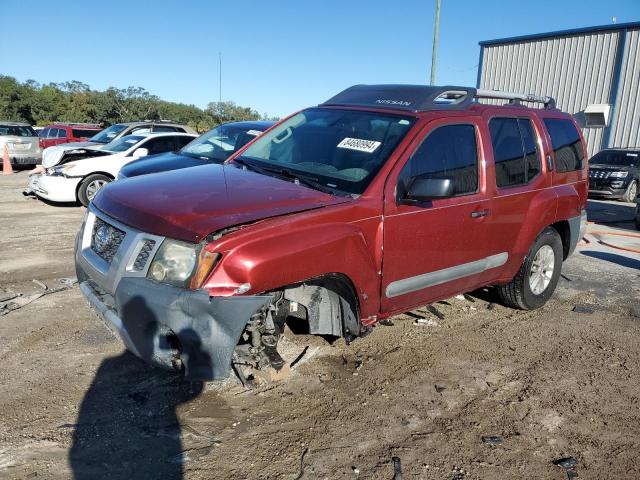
(108, 134)
(339, 149)
(218, 144)
(123, 143)
(17, 131)
(615, 158)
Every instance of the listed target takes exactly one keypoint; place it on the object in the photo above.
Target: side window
(182, 141)
(566, 143)
(449, 151)
(162, 128)
(515, 154)
(62, 133)
(44, 133)
(159, 145)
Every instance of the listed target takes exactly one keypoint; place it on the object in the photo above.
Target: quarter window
(566, 143)
(515, 155)
(447, 152)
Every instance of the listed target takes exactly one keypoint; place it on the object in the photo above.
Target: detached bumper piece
(175, 328)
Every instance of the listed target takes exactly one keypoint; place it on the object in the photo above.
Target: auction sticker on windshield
(368, 146)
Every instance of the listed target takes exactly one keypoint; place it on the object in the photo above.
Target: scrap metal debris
(491, 439)
(435, 311)
(19, 300)
(387, 322)
(427, 322)
(439, 388)
(583, 309)
(397, 468)
(568, 464)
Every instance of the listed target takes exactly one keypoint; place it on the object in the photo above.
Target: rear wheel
(631, 193)
(538, 276)
(90, 187)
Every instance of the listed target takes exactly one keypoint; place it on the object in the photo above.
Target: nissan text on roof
(382, 199)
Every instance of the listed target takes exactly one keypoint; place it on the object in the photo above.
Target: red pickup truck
(379, 200)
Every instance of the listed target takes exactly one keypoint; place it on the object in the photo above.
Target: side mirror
(140, 152)
(423, 189)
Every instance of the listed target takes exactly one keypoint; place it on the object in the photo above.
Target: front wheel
(90, 186)
(631, 193)
(538, 276)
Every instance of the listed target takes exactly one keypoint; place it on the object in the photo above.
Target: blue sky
(277, 56)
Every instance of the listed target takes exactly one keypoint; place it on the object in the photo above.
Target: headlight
(618, 174)
(174, 263)
(59, 170)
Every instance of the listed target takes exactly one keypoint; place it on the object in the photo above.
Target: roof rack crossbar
(548, 102)
(419, 98)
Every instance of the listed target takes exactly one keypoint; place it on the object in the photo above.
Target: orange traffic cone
(6, 163)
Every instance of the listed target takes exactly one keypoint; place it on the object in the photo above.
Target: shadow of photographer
(127, 426)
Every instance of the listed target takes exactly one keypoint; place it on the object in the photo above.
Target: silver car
(22, 143)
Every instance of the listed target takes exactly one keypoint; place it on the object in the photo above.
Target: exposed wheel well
(564, 231)
(330, 304)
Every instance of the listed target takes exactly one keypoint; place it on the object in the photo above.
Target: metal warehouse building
(593, 73)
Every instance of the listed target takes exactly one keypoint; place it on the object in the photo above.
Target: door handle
(479, 213)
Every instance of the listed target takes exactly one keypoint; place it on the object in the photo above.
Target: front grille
(106, 239)
(599, 174)
(143, 256)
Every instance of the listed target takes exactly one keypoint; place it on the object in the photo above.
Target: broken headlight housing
(174, 263)
(56, 171)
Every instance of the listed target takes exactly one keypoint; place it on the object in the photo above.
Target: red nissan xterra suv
(377, 201)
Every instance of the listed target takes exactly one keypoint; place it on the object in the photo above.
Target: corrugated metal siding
(625, 130)
(576, 70)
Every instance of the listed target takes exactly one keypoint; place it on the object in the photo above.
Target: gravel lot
(549, 384)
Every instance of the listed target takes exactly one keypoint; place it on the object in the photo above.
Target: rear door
(62, 136)
(523, 197)
(436, 248)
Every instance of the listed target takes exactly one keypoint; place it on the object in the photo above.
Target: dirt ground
(550, 384)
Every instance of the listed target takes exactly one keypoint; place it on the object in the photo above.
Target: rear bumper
(24, 158)
(54, 188)
(577, 230)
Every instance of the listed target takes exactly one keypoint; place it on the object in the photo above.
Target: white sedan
(83, 171)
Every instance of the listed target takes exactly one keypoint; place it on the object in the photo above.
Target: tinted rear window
(17, 131)
(566, 143)
(82, 133)
(514, 151)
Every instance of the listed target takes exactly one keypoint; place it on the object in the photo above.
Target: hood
(619, 168)
(51, 156)
(191, 203)
(161, 163)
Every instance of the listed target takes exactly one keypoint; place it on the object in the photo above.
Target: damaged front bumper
(54, 188)
(171, 327)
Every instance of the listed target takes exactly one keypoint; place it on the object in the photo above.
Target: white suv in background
(81, 172)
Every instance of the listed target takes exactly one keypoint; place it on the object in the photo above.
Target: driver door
(434, 248)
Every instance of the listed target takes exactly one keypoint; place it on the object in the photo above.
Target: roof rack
(419, 98)
(162, 120)
(81, 124)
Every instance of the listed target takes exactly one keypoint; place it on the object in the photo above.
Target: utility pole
(435, 43)
(220, 69)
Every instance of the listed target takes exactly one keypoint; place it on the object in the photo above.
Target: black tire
(631, 193)
(518, 293)
(85, 196)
